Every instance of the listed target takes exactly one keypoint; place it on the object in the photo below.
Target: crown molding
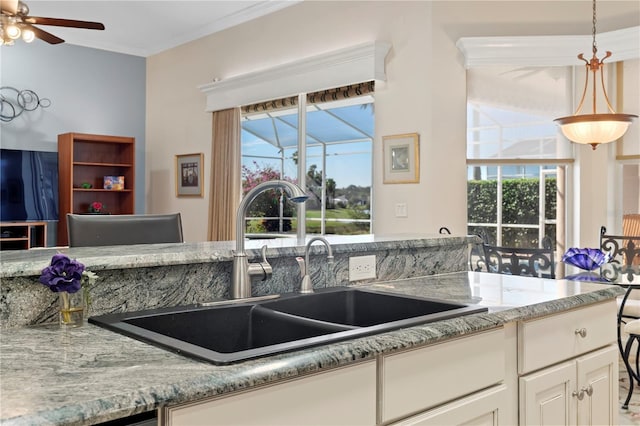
(547, 50)
(356, 64)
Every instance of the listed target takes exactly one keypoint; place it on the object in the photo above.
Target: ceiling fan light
(28, 36)
(12, 31)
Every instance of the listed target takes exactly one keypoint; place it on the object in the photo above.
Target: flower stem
(66, 307)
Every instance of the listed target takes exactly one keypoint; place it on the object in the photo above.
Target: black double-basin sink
(230, 332)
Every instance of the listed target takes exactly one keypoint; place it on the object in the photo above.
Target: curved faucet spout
(296, 194)
(243, 272)
(307, 285)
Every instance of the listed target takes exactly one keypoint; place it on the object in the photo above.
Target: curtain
(225, 175)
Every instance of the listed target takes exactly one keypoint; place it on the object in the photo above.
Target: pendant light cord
(595, 47)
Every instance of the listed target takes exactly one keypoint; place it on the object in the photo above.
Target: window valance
(328, 95)
(352, 65)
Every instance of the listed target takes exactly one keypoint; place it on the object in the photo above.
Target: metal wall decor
(14, 102)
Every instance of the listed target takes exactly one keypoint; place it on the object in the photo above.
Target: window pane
(267, 155)
(519, 211)
(339, 139)
(510, 112)
(520, 201)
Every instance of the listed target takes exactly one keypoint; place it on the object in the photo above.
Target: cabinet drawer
(420, 379)
(555, 338)
(345, 396)
(482, 408)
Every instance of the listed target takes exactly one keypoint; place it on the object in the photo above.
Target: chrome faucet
(307, 285)
(245, 273)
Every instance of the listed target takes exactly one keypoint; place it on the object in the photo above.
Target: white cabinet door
(598, 379)
(583, 391)
(484, 408)
(346, 396)
(545, 396)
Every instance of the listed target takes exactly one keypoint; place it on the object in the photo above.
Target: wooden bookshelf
(22, 235)
(83, 162)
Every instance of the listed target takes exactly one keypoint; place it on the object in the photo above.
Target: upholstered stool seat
(632, 327)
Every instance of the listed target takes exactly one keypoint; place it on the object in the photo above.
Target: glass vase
(72, 308)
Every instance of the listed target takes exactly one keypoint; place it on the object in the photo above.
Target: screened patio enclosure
(338, 163)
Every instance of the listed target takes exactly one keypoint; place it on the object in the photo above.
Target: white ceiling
(144, 28)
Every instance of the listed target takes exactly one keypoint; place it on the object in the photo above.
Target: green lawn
(313, 226)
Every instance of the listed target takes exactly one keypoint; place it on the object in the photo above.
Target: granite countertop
(17, 263)
(89, 374)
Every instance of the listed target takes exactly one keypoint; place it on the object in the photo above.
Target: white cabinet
(486, 408)
(598, 378)
(345, 396)
(582, 390)
(557, 370)
(545, 397)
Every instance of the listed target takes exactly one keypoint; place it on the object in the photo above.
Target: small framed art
(189, 175)
(401, 156)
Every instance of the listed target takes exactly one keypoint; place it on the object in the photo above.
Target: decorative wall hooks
(14, 102)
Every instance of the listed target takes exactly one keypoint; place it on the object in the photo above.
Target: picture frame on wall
(401, 157)
(189, 175)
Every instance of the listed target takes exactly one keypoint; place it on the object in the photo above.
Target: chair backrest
(531, 262)
(111, 230)
(625, 255)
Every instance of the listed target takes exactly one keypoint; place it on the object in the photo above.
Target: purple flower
(63, 274)
(587, 258)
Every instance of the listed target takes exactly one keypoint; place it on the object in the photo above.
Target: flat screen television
(28, 185)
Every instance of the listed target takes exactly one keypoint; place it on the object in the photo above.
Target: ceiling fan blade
(64, 23)
(45, 36)
(9, 6)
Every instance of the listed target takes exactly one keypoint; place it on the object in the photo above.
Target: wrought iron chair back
(531, 262)
(625, 256)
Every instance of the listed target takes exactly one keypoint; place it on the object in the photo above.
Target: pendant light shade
(594, 129)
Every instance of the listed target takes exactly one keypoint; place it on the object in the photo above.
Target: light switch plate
(401, 210)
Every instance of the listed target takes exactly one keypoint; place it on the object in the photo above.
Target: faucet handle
(268, 270)
(262, 270)
(263, 251)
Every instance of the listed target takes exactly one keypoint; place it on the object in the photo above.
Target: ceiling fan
(15, 22)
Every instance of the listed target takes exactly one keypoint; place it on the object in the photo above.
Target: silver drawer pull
(580, 394)
(582, 332)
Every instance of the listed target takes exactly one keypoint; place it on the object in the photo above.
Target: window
(516, 158)
(513, 205)
(338, 154)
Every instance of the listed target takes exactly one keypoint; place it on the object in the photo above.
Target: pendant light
(594, 129)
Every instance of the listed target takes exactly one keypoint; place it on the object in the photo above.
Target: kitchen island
(90, 375)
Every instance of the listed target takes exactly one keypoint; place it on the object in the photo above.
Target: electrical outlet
(362, 267)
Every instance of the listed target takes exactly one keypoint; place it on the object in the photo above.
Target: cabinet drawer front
(419, 379)
(346, 396)
(556, 338)
(482, 408)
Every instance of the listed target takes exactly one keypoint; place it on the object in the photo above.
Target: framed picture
(189, 175)
(401, 156)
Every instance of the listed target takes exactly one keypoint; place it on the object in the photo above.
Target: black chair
(623, 268)
(530, 262)
(112, 230)
(625, 256)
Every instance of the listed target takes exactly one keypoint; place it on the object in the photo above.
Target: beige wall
(424, 91)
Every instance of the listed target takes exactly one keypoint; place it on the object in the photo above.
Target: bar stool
(632, 328)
